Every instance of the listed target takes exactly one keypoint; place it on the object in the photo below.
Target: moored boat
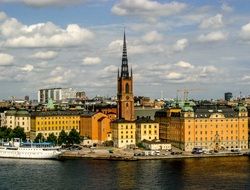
(29, 150)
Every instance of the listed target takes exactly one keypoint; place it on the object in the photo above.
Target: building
(228, 96)
(125, 102)
(47, 122)
(146, 129)
(21, 118)
(156, 145)
(212, 127)
(56, 94)
(95, 126)
(81, 95)
(2, 119)
(123, 133)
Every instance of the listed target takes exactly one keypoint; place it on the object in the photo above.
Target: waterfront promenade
(129, 154)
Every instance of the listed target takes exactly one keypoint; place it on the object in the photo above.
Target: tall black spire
(124, 69)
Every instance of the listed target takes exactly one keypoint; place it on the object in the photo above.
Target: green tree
(5, 133)
(18, 132)
(39, 138)
(62, 138)
(52, 138)
(74, 137)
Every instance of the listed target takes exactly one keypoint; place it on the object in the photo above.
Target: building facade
(56, 94)
(210, 127)
(146, 129)
(95, 126)
(228, 96)
(47, 122)
(125, 102)
(21, 118)
(123, 133)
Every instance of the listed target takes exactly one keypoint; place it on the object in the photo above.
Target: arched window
(127, 88)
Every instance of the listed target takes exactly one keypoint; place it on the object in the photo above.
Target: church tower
(125, 104)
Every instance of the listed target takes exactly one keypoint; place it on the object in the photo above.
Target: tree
(63, 137)
(74, 137)
(5, 133)
(52, 138)
(39, 138)
(18, 132)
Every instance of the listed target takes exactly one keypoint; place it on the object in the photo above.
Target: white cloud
(6, 59)
(45, 55)
(225, 7)
(27, 68)
(148, 8)
(115, 45)
(213, 37)
(44, 3)
(42, 35)
(174, 76)
(245, 32)
(184, 64)
(152, 37)
(91, 60)
(55, 80)
(212, 22)
(181, 44)
(110, 69)
(206, 70)
(2, 16)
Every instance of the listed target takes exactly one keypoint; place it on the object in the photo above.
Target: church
(125, 128)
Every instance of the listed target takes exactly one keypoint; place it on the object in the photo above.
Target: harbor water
(194, 173)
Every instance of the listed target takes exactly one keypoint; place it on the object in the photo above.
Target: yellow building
(146, 129)
(47, 122)
(95, 126)
(123, 133)
(212, 127)
(19, 118)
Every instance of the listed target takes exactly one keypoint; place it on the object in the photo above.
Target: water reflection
(206, 173)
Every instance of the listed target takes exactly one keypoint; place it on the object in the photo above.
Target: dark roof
(207, 111)
(57, 113)
(161, 113)
(145, 120)
(122, 121)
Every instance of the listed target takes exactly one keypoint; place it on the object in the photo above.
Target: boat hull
(29, 153)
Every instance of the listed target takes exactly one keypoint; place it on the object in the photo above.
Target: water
(205, 173)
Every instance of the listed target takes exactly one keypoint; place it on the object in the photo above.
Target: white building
(156, 145)
(56, 94)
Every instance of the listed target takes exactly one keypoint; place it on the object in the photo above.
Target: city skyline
(171, 45)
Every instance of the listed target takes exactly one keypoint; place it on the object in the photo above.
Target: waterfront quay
(132, 155)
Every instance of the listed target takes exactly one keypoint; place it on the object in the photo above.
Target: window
(127, 88)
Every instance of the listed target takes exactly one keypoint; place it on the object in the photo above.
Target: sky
(203, 46)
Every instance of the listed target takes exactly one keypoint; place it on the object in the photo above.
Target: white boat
(29, 150)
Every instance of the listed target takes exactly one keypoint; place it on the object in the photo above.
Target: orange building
(211, 127)
(95, 126)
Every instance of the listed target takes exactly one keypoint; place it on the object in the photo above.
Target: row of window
(211, 132)
(132, 141)
(127, 137)
(68, 117)
(57, 128)
(149, 126)
(149, 132)
(127, 127)
(216, 120)
(57, 122)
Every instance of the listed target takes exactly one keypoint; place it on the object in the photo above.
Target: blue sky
(171, 45)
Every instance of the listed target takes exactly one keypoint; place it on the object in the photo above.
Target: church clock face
(127, 97)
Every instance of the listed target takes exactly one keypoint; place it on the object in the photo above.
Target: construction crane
(186, 92)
